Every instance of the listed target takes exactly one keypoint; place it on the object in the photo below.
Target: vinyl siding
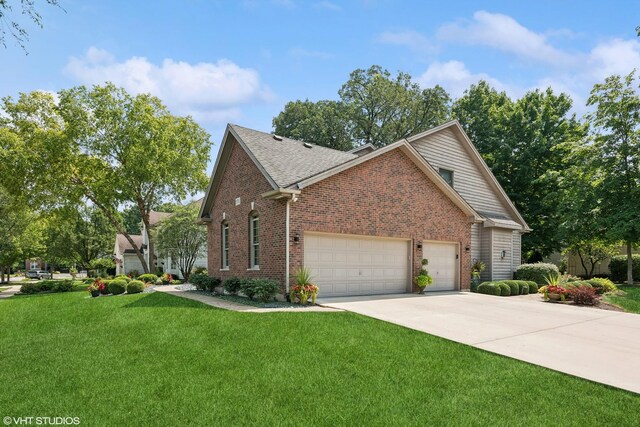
(501, 267)
(444, 150)
(517, 250)
(485, 252)
(131, 262)
(476, 241)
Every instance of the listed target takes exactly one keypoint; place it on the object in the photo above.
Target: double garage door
(344, 265)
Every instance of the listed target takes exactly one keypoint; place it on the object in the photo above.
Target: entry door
(443, 265)
(357, 265)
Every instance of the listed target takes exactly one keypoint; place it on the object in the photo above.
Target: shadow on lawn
(160, 299)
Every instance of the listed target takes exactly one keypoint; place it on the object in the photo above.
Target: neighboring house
(575, 267)
(127, 260)
(35, 264)
(362, 221)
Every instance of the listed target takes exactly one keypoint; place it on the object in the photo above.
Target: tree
(181, 238)
(111, 148)
(591, 252)
(525, 143)
(616, 149)
(77, 235)
(374, 107)
(20, 233)
(13, 27)
(132, 220)
(324, 123)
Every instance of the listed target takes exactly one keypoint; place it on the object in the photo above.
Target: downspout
(286, 237)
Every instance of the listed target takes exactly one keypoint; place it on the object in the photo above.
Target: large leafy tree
(374, 107)
(20, 233)
(525, 143)
(616, 159)
(109, 147)
(77, 235)
(182, 238)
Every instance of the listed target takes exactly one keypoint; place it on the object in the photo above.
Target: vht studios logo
(41, 421)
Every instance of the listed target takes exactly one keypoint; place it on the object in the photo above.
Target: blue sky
(226, 61)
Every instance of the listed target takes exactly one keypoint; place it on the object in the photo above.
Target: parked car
(38, 274)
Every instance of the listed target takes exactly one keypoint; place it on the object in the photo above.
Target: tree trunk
(629, 264)
(144, 213)
(584, 265)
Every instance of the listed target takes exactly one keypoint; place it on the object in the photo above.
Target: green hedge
(618, 268)
(489, 288)
(602, 286)
(148, 278)
(135, 287)
(205, 283)
(536, 272)
(233, 285)
(117, 286)
(505, 290)
(47, 286)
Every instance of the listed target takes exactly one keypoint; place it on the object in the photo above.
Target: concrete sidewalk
(9, 292)
(598, 345)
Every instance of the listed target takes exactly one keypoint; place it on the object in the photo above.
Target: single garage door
(443, 265)
(357, 265)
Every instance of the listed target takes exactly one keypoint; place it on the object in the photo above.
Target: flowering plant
(166, 278)
(97, 285)
(304, 288)
(555, 290)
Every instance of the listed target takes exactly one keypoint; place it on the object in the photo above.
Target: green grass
(629, 302)
(157, 359)
(3, 289)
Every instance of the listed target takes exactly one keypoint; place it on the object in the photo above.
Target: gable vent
(277, 137)
(306, 144)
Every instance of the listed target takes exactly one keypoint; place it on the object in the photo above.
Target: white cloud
(328, 6)
(409, 38)
(455, 78)
(208, 91)
(304, 53)
(504, 33)
(616, 56)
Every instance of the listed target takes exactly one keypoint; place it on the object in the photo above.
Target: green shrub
(123, 277)
(536, 272)
(117, 286)
(264, 289)
(200, 270)
(62, 286)
(30, 288)
(247, 287)
(618, 267)
(134, 273)
(177, 282)
(533, 287)
(46, 285)
(523, 286)
(505, 290)
(513, 286)
(489, 288)
(135, 287)
(148, 278)
(474, 285)
(205, 283)
(233, 285)
(602, 286)
(88, 281)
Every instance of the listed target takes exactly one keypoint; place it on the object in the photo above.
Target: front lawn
(157, 359)
(629, 302)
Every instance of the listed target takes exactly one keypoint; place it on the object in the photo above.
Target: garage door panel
(443, 265)
(357, 265)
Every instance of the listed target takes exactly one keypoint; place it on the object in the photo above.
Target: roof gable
(448, 146)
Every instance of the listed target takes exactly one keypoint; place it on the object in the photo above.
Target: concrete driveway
(598, 345)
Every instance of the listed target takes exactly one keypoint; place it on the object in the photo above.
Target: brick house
(362, 221)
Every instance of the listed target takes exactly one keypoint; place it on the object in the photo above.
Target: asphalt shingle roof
(289, 161)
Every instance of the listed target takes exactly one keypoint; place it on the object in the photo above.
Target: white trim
(286, 238)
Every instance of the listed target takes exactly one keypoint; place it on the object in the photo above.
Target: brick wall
(243, 179)
(388, 196)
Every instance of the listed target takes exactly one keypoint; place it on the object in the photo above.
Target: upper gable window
(447, 175)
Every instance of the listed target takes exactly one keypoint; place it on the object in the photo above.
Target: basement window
(447, 175)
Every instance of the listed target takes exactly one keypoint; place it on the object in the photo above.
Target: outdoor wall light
(467, 249)
(419, 245)
(296, 237)
(503, 254)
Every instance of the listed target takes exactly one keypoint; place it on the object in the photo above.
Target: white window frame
(440, 170)
(224, 245)
(34, 265)
(254, 241)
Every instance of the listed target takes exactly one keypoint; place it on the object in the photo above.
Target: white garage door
(357, 265)
(443, 265)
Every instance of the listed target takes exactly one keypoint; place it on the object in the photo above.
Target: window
(447, 175)
(224, 234)
(34, 265)
(254, 241)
